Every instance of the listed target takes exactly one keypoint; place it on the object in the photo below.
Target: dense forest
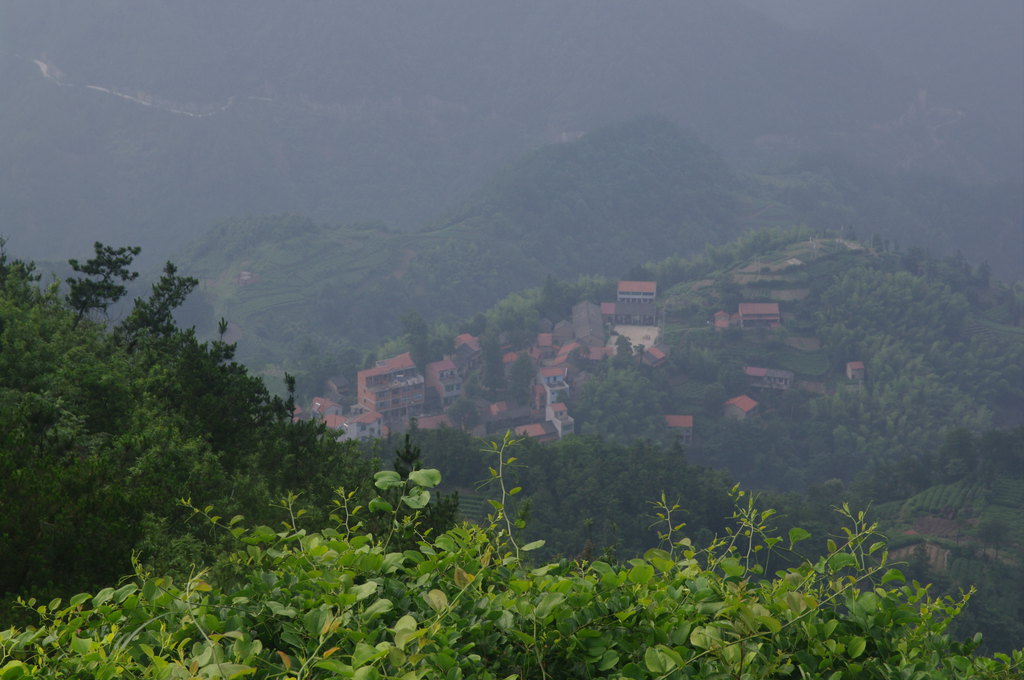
(104, 429)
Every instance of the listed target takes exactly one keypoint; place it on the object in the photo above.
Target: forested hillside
(603, 204)
(943, 355)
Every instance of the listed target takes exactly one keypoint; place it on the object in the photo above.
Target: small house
(740, 408)
(682, 426)
(855, 370)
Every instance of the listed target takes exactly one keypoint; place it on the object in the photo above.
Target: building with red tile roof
(542, 432)
(433, 422)
(361, 426)
(724, 320)
(334, 422)
(467, 353)
(769, 378)
(557, 414)
(753, 314)
(682, 425)
(855, 370)
(637, 291)
(322, 406)
(740, 407)
(655, 356)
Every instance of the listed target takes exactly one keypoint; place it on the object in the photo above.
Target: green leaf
(661, 559)
(532, 545)
(608, 660)
(796, 534)
(380, 505)
(436, 599)
(13, 670)
(641, 573)
(417, 498)
(893, 575)
(334, 666)
(732, 567)
(856, 646)
(428, 478)
(80, 645)
(840, 560)
(387, 479)
(381, 606)
(364, 653)
(548, 601)
(657, 661)
(102, 597)
(227, 670)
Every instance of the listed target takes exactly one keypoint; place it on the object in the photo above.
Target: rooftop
(638, 287)
(759, 308)
(403, 362)
(742, 402)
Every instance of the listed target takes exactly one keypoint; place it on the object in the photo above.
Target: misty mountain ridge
(193, 112)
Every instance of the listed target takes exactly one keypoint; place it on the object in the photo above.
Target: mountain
(598, 205)
(602, 204)
(145, 124)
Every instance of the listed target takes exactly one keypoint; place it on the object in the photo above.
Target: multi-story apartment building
(392, 388)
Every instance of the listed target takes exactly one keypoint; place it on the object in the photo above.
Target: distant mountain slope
(603, 204)
(151, 121)
(600, 205)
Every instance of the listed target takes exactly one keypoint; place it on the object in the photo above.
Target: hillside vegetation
(603, 204)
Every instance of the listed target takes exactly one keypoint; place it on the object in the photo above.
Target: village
(396, 392)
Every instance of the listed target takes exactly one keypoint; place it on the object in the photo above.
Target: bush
(342, 603)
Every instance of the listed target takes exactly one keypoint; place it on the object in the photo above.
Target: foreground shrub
(341, 603)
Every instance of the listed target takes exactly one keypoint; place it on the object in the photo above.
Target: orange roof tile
(443, 365)
(509, 357)
(742, 402)
(321, 404)
(568, 349)
(532, 430)
(679, 421)
(467, 339)
(638, 286)
(433, 422)
(545, 340)
(854, 364)
(334, 422)
(402, 362)
(759, 308)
